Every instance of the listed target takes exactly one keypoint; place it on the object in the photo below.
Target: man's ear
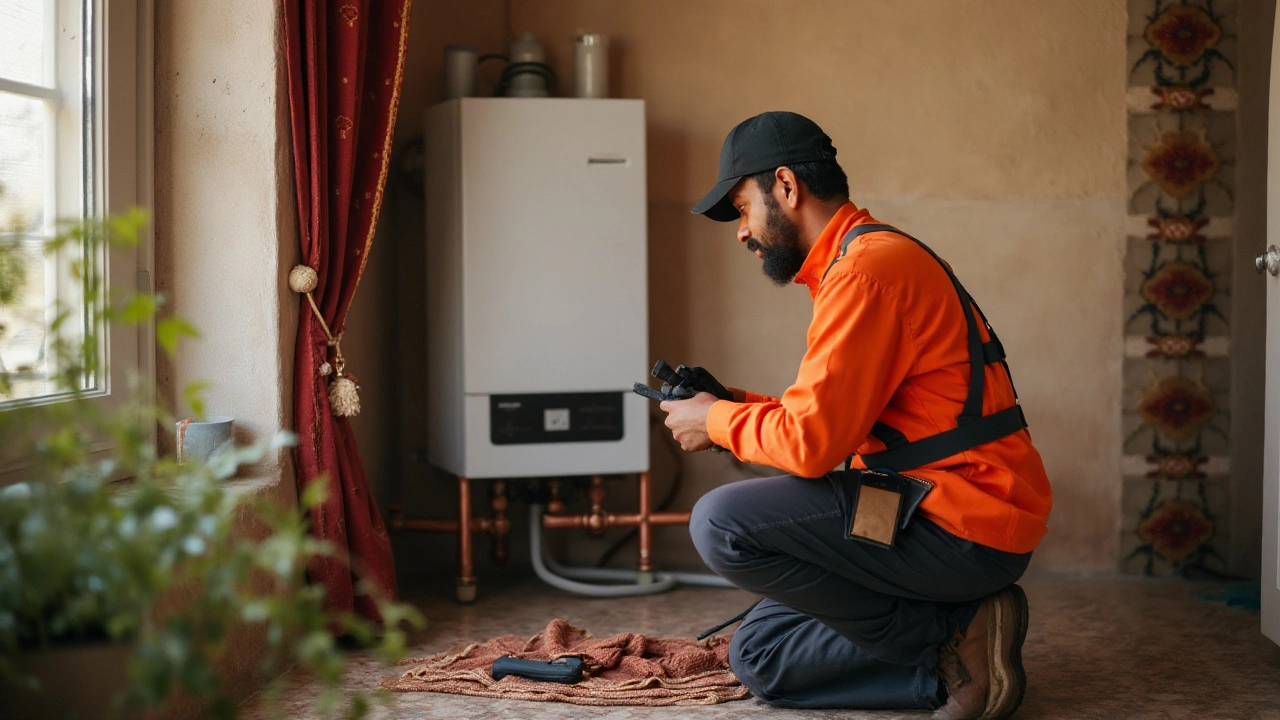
(788, 186)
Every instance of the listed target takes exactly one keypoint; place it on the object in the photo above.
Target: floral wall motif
(1182, 103)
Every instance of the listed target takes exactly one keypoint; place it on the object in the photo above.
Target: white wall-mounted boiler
(536, 287)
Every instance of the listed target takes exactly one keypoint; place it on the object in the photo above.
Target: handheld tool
(565, 670)
(681, 383)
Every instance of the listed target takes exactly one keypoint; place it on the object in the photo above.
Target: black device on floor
(566, 670)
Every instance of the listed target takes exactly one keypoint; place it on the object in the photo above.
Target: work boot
(981, 665)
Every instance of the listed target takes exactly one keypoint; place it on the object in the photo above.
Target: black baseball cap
(764, 142)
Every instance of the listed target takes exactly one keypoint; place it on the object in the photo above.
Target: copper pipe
(555, 504)
(645, 562)
(466, 574)
(425, 525)
(501, 525)
(595, 522)
(498, 526)
(560, 522)
(395, 518)
(477, 524)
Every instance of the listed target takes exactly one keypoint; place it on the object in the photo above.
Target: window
(73, 144)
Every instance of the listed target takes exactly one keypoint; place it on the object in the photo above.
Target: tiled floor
(1122, 647)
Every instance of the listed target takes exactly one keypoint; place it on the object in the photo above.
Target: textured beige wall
(975, 99)
(225, 239)
(994, 130)
(225, 236)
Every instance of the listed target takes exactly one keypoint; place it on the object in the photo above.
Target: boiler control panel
(555, 418)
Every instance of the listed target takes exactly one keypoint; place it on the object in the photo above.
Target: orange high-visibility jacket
(888, 343)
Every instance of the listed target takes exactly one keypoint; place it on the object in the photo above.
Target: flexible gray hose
(564, 577)
(539, 556)
(618, 575)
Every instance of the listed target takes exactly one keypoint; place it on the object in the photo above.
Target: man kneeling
(889, 584)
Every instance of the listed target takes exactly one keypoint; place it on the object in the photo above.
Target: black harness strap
(973, 429)
(993, 352)
(999, 349)
(887, 435)
(945, 444)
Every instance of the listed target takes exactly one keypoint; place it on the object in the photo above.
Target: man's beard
(779, 244)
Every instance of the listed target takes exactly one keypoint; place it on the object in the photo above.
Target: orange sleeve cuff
(744, 396)
(718, 422)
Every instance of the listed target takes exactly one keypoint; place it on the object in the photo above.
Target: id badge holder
(883, 503)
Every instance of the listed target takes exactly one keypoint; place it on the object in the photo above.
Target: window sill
(259, 482)
(267, 480)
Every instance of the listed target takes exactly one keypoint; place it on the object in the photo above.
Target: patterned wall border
(1182, 102)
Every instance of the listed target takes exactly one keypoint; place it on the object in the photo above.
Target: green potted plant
(134, 560)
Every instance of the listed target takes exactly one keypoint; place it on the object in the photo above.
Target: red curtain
(344, 59)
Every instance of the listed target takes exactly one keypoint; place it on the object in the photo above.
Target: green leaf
(328, 700)
(314, 646)
(59, 319)
(197, 677)
(13, 273)
(139, 309)
(223, 709)
(394, 613)
(223, 462)
(170, 330)
(125, 228)
(249, 454)
(359, 706)
(255, 611)
(392, 647)
(314, 494)
(284, 439)
(193, 397)
(358, 628)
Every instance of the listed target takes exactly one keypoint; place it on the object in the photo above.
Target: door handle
(1268, 261)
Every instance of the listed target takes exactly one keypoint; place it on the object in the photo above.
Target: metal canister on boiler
(591, 65)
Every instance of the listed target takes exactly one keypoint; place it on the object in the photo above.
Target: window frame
(121, 106)
(59, 90)
(123, 177)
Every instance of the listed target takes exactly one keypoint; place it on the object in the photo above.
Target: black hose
(525, 68)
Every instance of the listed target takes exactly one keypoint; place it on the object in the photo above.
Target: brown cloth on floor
(626, 669)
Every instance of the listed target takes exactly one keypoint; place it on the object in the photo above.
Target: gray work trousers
(843, 624)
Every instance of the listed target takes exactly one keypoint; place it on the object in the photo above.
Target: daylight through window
(46, 161)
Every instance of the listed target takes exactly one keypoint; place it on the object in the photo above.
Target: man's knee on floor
(749, 659)
(708, 526)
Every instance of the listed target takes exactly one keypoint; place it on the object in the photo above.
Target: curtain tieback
(344, 393)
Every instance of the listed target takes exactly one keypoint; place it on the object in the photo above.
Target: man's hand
(688, 421)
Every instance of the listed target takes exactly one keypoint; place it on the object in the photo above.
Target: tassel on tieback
(344, 397)
(344, 393)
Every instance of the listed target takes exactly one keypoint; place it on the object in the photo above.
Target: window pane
(25, 184)
(24, 304)
(46, 156)
(22, 40)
